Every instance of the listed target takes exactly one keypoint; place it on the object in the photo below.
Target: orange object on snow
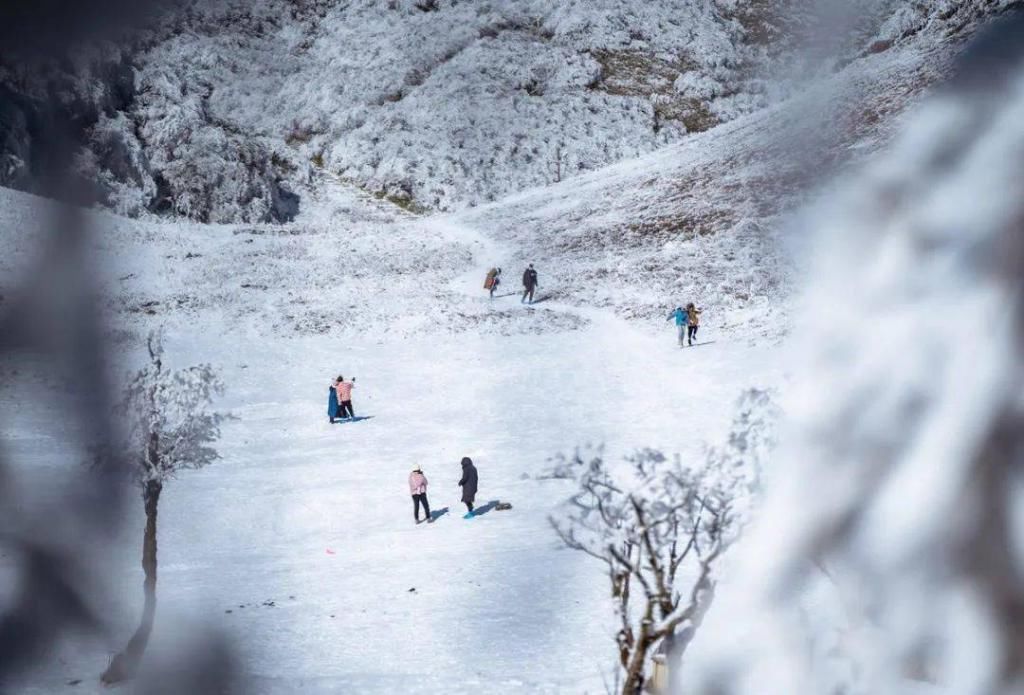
(489, 282)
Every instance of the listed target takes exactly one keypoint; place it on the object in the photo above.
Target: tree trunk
(678, 643)
(124, 665)
(634, 683)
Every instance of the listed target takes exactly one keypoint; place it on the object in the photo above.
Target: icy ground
(317, 518)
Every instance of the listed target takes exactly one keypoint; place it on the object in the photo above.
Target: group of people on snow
(687, 319)
(418, 490)
(530, 283)
(687, 322)
(339, 407)
(339, 399)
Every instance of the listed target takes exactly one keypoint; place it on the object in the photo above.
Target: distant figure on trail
(468, 484)
(529, 283)
(681, 320)
(692, 322)
(332, 402)
(418, 490)
(493, 280)
(343, 389)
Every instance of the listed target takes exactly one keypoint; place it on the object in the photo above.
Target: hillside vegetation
(230, 111)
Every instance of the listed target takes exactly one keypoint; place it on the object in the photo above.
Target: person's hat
(417, 469)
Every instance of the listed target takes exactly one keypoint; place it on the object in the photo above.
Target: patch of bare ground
(518, 320)
(635, 73)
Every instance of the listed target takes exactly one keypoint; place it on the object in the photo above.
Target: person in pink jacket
(418, 490)
(344, 390)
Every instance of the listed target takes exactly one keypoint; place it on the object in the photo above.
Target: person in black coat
(529, 283)
(468, 484)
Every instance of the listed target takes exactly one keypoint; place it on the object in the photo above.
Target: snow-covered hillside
(698, 219)
(299, 546)
(229, 111)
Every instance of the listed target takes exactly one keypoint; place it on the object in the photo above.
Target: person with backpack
(681, 320)
(344, 392)
(418, 489)
(529, 283)
(493, 280)
(468, 483)
(692, 322)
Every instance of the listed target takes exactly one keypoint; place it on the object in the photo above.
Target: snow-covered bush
(116, 162)
(205, 168)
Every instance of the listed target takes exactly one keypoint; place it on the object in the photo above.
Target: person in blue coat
(332, 403)
(682, 319)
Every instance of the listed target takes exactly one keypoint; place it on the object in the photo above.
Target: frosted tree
(169, 429)
(660, 529)
(644, 521)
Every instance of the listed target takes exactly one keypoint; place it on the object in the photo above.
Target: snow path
(497, 603)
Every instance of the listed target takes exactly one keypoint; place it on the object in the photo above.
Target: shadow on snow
(480, 511)
(358, 418)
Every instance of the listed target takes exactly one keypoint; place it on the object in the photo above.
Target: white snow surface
(300, 508)
(316, 518)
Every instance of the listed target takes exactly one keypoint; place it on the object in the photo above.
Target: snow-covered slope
(698, 220)
(319, 579)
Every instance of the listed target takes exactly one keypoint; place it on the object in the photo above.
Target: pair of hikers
(418, 490)
(339, 399)
(530, 283)
(687, 322)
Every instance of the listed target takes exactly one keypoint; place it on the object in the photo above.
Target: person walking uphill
(681, 320)
(529, 283)
(468, 484)
(344, 391)
(692, 322)
(493, 280)
(418, 489)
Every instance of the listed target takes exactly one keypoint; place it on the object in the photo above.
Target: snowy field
(317, 518)
(871, 566)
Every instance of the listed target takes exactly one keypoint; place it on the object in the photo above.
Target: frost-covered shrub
(116, 161)
(697, 86)
(204, 168)
(938, 17)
